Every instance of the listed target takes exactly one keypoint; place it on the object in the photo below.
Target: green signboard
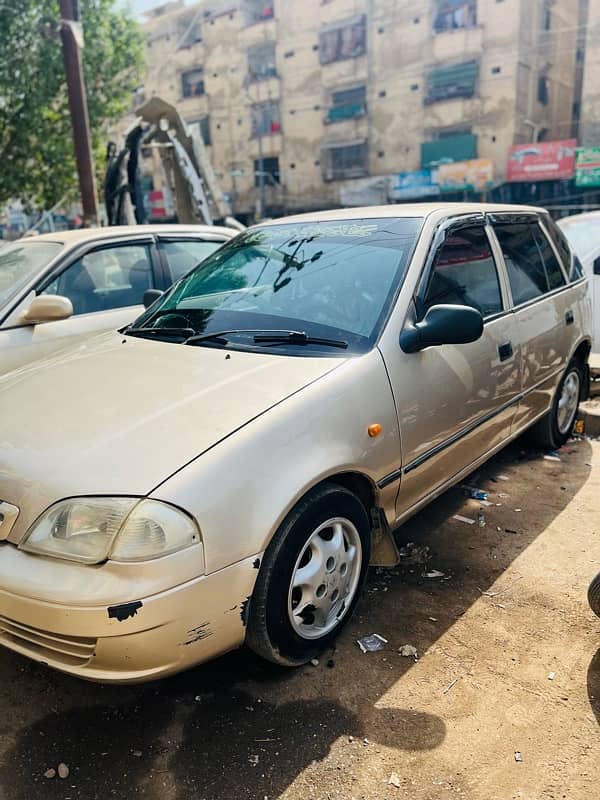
(587, 166)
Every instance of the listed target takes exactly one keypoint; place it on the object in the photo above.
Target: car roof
(403, 210)
(575, 218)
(81, 235)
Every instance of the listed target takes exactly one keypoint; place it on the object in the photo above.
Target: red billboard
(542, 161)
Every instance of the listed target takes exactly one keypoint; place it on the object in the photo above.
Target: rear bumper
(146, 638)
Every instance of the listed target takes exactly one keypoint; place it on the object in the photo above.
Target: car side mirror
(443, 324)
(151, 296)
(47, 308)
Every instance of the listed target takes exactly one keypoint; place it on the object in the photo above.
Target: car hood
(119, 415)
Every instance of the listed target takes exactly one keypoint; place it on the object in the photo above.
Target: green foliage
(36, 145)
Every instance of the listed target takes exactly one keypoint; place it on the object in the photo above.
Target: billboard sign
(412, 185)
(587, 166)
(542, 161)
(475, 175)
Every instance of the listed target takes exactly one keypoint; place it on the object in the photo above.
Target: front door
(106, 288)
(454, 402)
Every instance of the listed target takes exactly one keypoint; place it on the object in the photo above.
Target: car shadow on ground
(240, 728)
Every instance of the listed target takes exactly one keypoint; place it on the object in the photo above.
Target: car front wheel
(310, 578)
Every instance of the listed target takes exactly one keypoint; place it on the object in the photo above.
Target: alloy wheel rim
(568, 402)
(325, 578)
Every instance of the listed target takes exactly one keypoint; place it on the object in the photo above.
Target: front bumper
(138, 640)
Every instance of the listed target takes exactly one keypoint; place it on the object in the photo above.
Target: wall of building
(514, 44)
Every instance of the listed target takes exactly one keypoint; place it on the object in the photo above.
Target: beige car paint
(22, 341)
(236, 442)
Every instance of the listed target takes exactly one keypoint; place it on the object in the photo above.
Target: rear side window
(523, 259)
(556, 277)
(185, 254)
(464, 273)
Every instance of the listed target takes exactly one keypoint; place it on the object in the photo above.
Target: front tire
(311, 577)
(555, 429)
(594, 595)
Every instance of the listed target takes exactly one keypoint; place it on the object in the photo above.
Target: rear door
(455, 402)
(543, 309)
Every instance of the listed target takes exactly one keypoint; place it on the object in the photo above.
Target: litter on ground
(408, 651)
(371, 643)
(460, 518)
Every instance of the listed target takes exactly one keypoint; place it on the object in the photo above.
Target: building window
(270, 170)
(347, 104)
(547, 18)
(266, 118)
(202, 127)
(192, 82)
(258, 10)
(543, 92)
(189, 32)
(347, 39)
(261, 62)
(340, 161)
(453, 14)
(448, 83)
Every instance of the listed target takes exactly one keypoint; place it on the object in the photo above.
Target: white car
(87, 281)
(583, 233)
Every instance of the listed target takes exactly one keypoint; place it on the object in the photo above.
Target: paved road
(511, 612)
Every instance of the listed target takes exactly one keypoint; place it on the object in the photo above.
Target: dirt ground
(509, 660)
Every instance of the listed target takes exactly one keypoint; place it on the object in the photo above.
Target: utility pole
(79, 112)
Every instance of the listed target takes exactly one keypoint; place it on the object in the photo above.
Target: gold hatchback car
(224, 469)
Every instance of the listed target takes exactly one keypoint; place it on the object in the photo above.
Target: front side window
(21, 261)
(464, 273)
(523, 259)
(333, 280)
(105, 279)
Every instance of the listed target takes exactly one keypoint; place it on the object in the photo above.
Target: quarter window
(464, 273)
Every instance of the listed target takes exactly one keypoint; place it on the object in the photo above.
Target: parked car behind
(583, 233)
(226, 469)
(59, 287)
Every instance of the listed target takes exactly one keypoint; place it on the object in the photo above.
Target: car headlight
(92, 529)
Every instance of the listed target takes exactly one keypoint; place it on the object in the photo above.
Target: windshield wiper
(145, 331)
(267, 337)
(298, 337)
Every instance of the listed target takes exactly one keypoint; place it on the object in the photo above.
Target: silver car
(89, 280)
(225, 469)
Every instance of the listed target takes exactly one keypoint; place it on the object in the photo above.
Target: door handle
(569, 317)
(505, 351)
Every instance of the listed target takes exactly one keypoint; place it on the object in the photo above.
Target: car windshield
(328, 280)
(20, 261)
(583, 236)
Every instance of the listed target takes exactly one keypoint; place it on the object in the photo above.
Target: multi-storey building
(324, 100)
